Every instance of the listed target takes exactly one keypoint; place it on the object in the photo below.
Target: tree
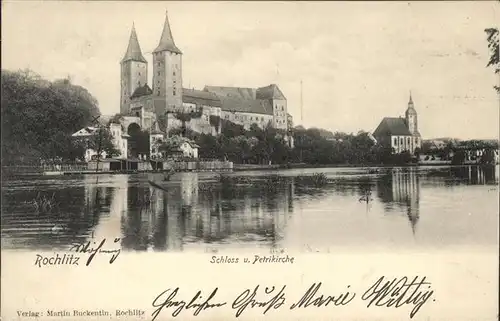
(417, 153)
(230, 129)
(102, 140)
(215, 121)
(39, 116)
(493, 46)
(105, 139)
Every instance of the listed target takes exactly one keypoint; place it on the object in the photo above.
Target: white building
(120, 140)
(400, 134)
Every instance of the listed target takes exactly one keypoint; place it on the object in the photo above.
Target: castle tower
(167, 72)
(411, 117)
(134, 71)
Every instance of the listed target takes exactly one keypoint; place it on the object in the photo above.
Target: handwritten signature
(383, 293)
(87, 248)
(397, 292)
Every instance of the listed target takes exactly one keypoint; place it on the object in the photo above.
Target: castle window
(395, 141)
(173, 73)
(158, 93)
(174, 92)
(401, 141)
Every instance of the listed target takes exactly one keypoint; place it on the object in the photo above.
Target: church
(165, 104)
(401, 134)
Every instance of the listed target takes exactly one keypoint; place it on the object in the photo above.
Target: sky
(357, 61)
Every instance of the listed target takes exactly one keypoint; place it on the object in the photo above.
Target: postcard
(246, 160)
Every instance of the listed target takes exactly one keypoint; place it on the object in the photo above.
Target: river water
(409, 208)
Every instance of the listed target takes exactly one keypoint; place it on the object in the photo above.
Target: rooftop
(270, 92)
(134, 49)
(392, 126)
(233, 92)
(199, 97)
(142, 91)
(241, 105)
(167, 40)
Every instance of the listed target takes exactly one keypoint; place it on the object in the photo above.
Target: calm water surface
(407, 207)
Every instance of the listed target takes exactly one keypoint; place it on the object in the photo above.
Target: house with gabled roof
(119, 139)
(400, 134)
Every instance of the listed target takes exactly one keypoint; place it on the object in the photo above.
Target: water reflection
(401, 188)
(470, 175)
(195, 213)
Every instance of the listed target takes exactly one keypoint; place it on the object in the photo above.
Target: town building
(400, 134)
(166, 104)
(180, 147)
(119, 139)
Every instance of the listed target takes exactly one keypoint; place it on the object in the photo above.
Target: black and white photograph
(226, 143)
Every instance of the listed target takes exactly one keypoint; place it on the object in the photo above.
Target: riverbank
(256, 167)
(113, 166)
(35, 171)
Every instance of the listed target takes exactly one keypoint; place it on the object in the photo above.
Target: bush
(317, 180)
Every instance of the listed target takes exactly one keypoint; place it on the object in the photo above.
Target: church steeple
(411, 117)
(410, 102)
(167, 40)
(134, 52)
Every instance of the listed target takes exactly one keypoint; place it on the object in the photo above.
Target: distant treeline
(261, 146)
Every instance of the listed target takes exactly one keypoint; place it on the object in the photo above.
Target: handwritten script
(89, 248)
(384, 292)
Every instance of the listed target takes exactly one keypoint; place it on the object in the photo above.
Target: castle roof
(134, 49)
(243, 100)
(256, 106)
(392, 126)
(142, 91)
(199, 97)
(234, 92)
(167, 40)
(270, 92)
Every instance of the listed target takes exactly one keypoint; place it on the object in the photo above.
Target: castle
(400, 134)
(166, 104)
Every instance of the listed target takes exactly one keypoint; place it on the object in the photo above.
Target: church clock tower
(167, 72)
(134, 72)
(411, 118)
